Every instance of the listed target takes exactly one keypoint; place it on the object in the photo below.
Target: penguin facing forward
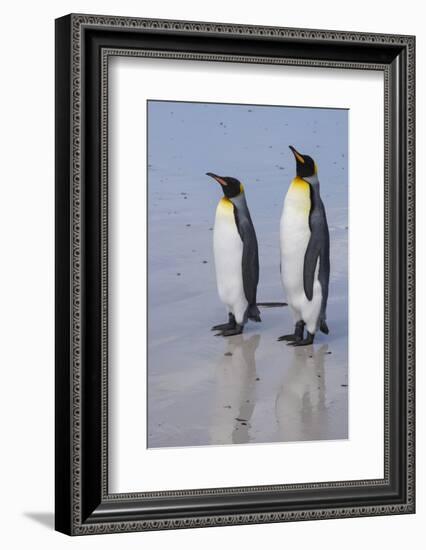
(236, 257)
(305, 252)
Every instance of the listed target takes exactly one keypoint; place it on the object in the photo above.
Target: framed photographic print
(234, 274)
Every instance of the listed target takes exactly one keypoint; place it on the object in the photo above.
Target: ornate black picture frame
(83, 45)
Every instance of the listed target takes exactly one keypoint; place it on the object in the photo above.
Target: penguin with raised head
(305, 252)
(236, 257)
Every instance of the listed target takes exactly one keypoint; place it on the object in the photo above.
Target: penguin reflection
(235, 391)
(300, 406)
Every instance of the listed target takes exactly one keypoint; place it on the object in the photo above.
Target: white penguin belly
(294, 238)
(228, 253)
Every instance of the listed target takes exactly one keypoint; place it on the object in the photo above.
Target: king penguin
(236, 257)
(305, 252)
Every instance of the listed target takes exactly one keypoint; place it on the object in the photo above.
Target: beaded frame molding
(84, 44)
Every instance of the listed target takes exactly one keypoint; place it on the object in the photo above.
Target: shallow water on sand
(204, 389)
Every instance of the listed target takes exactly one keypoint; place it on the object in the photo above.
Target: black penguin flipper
(309, 265)
(250, 261)
(318, 246)
(318, 249)
(250, 266)
(324, 279)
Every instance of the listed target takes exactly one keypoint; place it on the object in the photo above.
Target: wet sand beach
(208, 390)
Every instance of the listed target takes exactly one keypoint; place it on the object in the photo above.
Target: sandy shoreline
(204, 389)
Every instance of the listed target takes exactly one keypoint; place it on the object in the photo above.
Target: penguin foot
(306, 342)
(298, 333)
(226, 326)
(233, 331)
(287, 338)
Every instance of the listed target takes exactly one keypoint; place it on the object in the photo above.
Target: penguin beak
(297, 155)
(217, 178)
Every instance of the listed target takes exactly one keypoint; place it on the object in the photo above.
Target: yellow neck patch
(300, 195)
(225, 207)
(299, 184)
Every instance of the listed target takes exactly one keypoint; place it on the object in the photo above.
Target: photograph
(247, 209)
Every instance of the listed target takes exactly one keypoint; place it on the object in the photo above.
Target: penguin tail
(324, 327)
(253, 313)
(272, 304)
